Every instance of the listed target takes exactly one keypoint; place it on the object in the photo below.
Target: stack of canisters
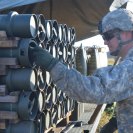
(29, 100)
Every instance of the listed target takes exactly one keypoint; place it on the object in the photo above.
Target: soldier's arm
(105, 86)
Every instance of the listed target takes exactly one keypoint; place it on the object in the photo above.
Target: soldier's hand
(43, 58)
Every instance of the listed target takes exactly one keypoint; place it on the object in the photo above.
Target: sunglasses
(108, 36)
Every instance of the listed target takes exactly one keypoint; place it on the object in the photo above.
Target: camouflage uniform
(106, 85)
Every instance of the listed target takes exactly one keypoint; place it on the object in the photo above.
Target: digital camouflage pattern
(106, 85)
(118, 19)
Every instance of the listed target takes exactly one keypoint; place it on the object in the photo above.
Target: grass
(107, 114)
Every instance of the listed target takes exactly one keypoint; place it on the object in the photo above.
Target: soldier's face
(110, 40)
(112, 44)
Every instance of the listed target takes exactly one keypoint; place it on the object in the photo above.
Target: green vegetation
(107, 114)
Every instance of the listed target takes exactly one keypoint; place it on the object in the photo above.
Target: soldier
(109, 84)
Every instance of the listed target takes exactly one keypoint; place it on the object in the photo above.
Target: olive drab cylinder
(69, 38)
(22, 127)
(41, 83)
(20, 79)
(72, 104)
(49, 98)
(22, 52)
(73, 35)
(53, 50)
(65, 34)
(92, 63)
(62, 52)
(60, 35)
(54, 115)
(54, 92)
(60, 97)
(2, 130)
(47, 119)
(70, 53)
(41, 100)
(55, 31)
(59, 111)
(63, 113)
(47, 77)
(13, 23)
(40, 122)
(81, 60)
(41, 34)
(26, 107)
(48, 27)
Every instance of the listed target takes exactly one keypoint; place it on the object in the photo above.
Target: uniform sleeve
(106, 85)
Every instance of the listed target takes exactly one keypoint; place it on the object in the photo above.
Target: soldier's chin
(114, 53)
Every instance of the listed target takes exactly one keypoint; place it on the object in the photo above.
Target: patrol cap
(118, 19)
